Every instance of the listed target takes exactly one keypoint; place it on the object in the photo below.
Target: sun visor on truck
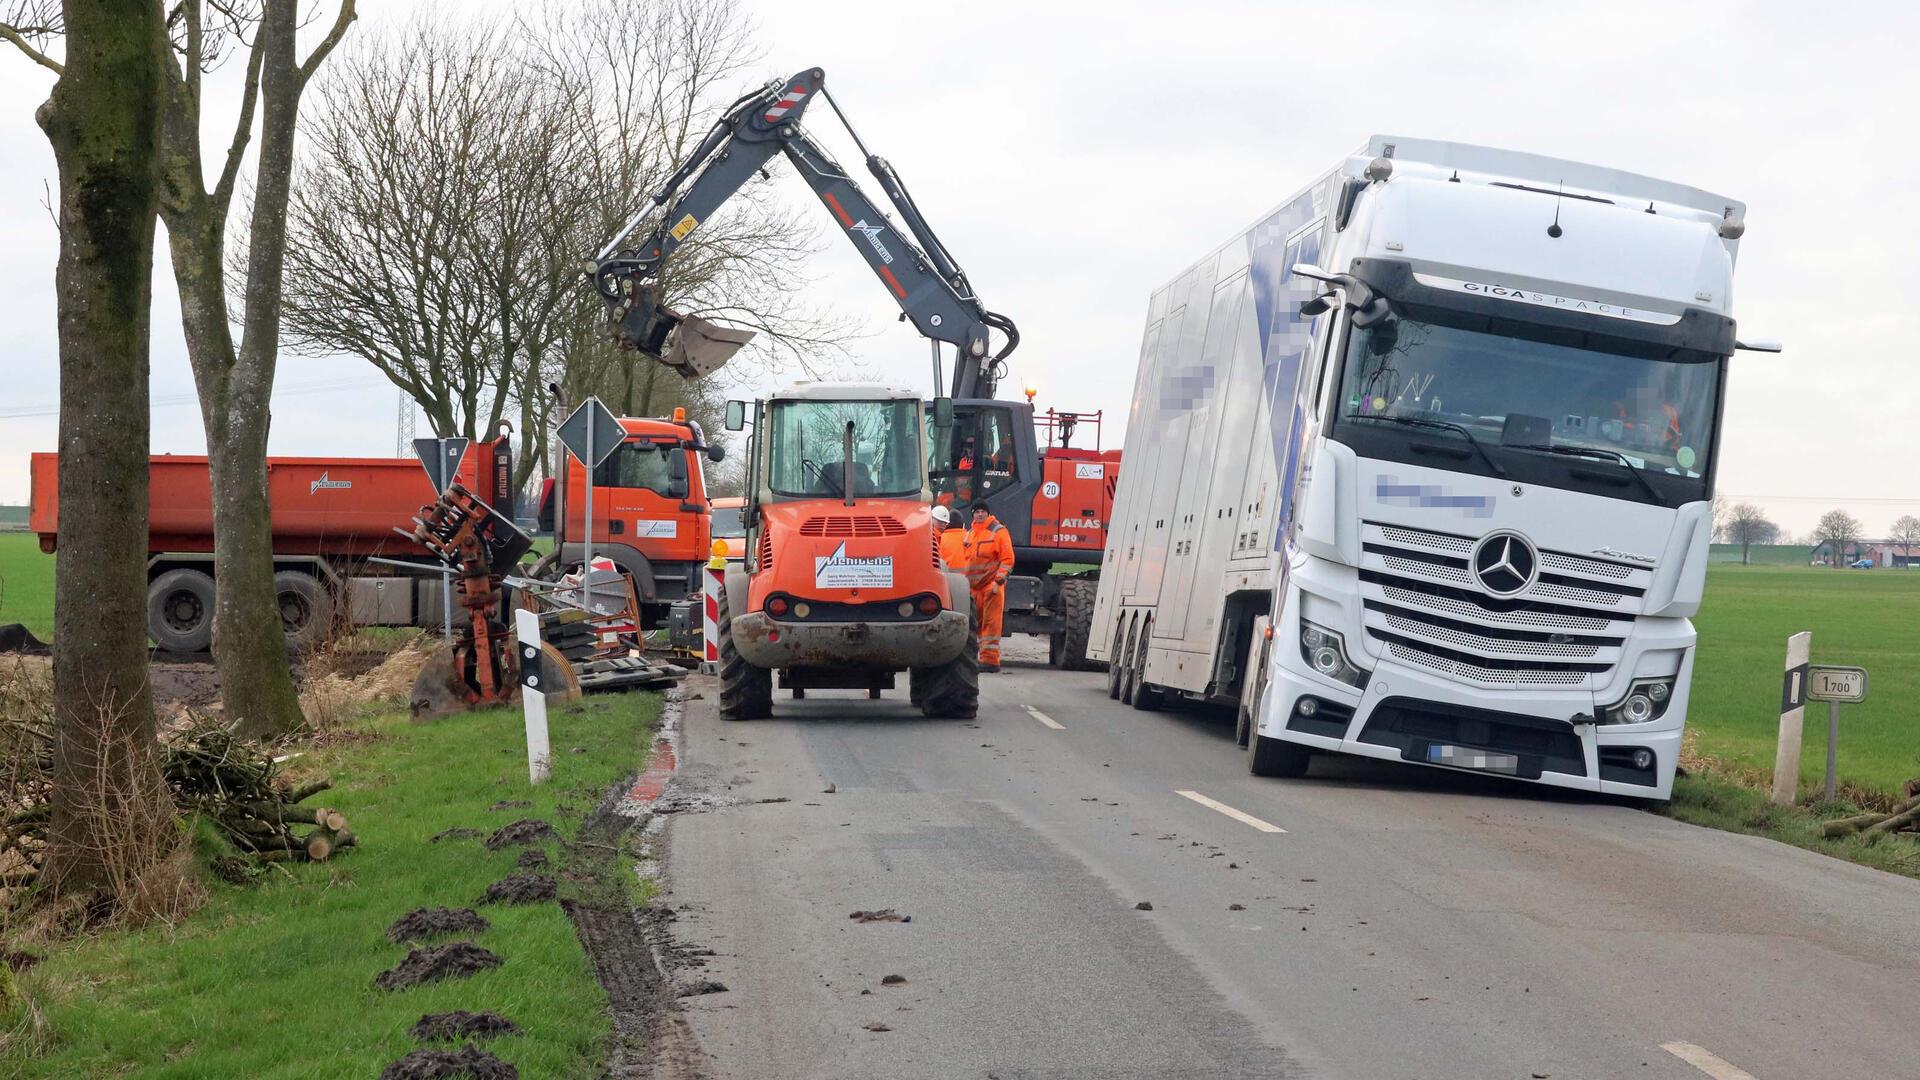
(1697, 330)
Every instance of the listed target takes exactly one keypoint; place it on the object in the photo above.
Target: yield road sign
(441, 459)
(592, 432)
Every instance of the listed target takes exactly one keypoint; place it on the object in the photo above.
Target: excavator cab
(843, 586)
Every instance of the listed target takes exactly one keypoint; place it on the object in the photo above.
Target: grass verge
(1719, 803)
(26, 584)
(275, 979)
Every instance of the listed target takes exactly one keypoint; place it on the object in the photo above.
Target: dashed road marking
(1706, 1061)
(1045, 719)
(1240, 816)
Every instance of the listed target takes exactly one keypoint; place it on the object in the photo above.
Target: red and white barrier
(711, 590)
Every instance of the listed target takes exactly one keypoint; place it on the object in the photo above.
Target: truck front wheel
(180, 611)
(306, 609)
(1068, 649)
(1273, 757)
(746, 691)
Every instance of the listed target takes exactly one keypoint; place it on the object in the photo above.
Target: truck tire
(1127, 670)
(952, 690)
(180, 611)
(746, 691)
(1146, 696)
(1274, 757)
(1068, 649)
(306, 609)
(1117, 667)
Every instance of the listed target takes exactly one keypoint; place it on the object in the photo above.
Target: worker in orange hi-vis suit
(989, 561)
(953, 539)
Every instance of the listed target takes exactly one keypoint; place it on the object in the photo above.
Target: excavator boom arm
(930, 289)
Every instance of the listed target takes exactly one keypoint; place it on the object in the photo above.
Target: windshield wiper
(1599, 452)
(1443, 425)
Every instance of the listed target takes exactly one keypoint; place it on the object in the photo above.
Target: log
(308, 791)
(286, 812)
(336, 821)
(323, 843)
(1846, 825)
(1898, 821)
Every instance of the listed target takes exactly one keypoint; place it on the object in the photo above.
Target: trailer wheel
(306, 609)
(180, 611)
(1146, 696)
(1129, 673)
(1275, 757)
(746, 691)
(1117, 668)
(952, 690)
(1067, 650)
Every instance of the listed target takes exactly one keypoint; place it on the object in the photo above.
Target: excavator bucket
(688, 344)
(702, 347)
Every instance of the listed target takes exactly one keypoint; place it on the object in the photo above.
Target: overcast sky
(1075, 157)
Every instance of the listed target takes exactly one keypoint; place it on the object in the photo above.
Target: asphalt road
(1406, 922)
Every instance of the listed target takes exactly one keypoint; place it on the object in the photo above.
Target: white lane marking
(1045, 719)
(1706, 1061)
(1237, 815)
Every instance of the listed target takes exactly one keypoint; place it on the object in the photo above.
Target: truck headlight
(1326, 653)
(1646, 701)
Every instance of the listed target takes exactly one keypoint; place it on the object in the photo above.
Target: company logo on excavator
(325, 483)
(872, 233)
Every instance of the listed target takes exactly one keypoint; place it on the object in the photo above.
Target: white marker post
(533, 698)
(1793, 716)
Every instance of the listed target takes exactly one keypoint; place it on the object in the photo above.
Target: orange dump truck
(333, 522)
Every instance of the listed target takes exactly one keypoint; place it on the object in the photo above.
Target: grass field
(26, 584)
(274, 980)
(1870, 618)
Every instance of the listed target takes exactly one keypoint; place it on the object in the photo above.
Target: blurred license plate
(1466, 757)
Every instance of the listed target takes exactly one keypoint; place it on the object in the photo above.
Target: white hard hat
(943, 515)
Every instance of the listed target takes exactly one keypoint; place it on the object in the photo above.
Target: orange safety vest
(1671, 437)
(989, 554)
(953, 548)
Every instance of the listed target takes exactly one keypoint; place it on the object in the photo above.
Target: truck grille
(1424, 607)
(852, 525)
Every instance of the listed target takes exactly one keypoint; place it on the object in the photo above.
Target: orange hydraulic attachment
(481, 546)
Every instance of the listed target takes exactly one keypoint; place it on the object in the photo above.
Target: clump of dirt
(510, 804)
(882, 915)
(521, 889)
(423, 923)
(892, 980)
(15, 638)
(456, 833)
(234, 870)
(460, 1024)
(433, 963)
(524, 831)
(533, 859)
(701, 988)
(469, 1062)
(1144, 905)
(19, 961)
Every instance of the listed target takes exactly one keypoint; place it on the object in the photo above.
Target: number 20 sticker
(1050, 489)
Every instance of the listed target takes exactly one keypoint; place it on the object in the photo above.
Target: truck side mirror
(716, 454)
(676, 475)
(736, 416)
(943, 412)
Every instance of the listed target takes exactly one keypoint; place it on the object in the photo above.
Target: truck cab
(843, 586)
(650, 509)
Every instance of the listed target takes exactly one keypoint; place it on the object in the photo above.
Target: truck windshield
(810, 442)
(1557, 408)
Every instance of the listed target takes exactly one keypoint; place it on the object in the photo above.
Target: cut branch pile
(234, 783)
(1871, 827)
(230, 781)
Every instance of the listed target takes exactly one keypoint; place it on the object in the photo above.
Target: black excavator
(1054, 500)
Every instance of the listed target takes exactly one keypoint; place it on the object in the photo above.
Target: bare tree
(1836, 529)
(1748, 525)
(103, 120)
(1906, 533)
(456, 177)
(1722, 517)
(235, 385)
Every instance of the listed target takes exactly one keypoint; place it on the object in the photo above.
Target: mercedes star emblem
(1505, 564)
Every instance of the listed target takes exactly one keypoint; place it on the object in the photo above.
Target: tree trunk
(103, 121)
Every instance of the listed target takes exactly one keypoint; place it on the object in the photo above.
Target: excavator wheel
(1068, 649)
(746, 691)
(952, 690)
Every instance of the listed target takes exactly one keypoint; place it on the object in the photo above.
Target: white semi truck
(1420, 467)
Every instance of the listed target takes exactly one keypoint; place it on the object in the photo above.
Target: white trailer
(1446, 500)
